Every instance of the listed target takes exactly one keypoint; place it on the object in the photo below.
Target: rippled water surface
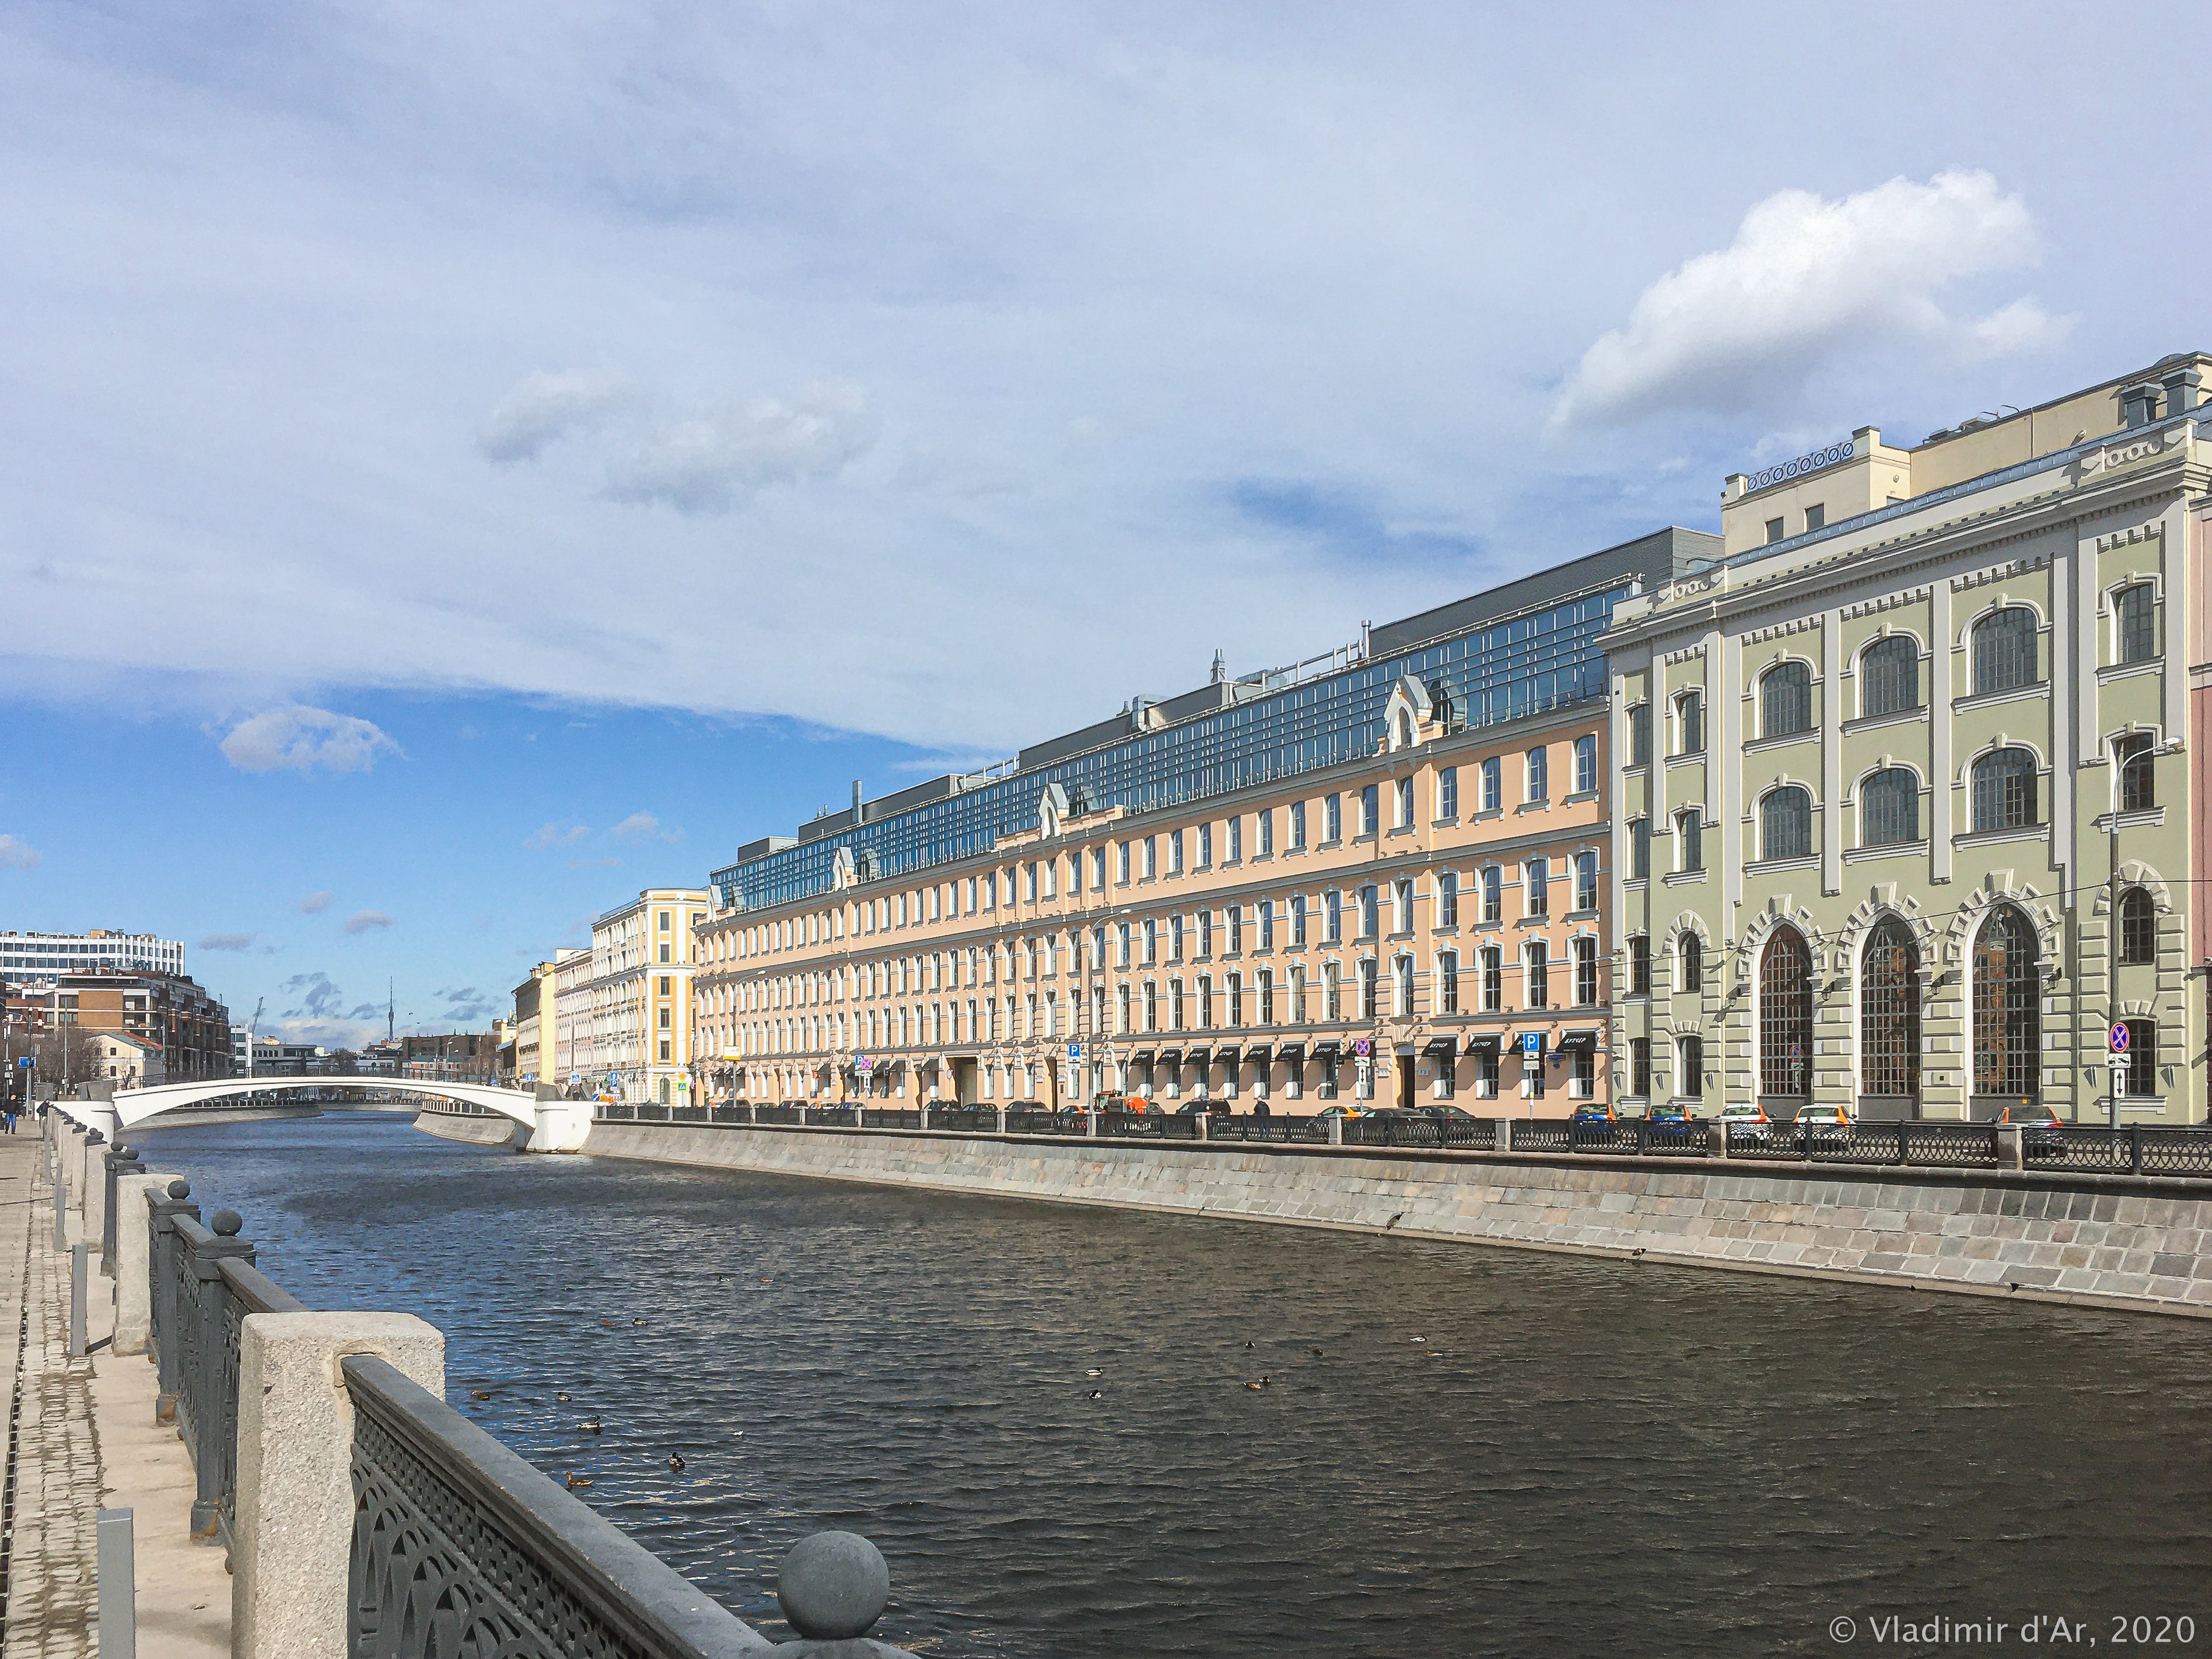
(1458, 1451)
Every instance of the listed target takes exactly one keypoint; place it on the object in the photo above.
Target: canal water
(1045, 1415)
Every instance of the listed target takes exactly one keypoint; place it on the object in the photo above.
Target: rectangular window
(1206, 847)
(1639, 965)
(1298, 922)
(1266, 924)
(1690, 722)
(1097, 875)
(1332, 985)
(1494, 894)
(1175, 1004)
(1539, 975)
(1121, 863)
(1493, 980)
(1121, 946)
(2142, 1057)
(1175, 937)
(1298, 996)
(1333, 915)
(1267, 982)
(2138, 772)
(1448, 983)
(1268, 832)
(1585, 881)
(1585, 765)
(1401, 905)
(1298, 826)
(1174, 852)
(1401, 984)
(1236, 839)
(1639, 849)
(1370, 911)
(1205, 932)
(1331, 819)
(1494, 784)
(1447, 898)
(1447, 793)
(1538, 891)
(1405, 804)
(1690, 1065)
(1639, 735)
(1371, 809)
(1690, 828)
(1585, 949)
(1639, 1067)
(2135, 624)
(1816, 515)
(1486, 1073)
(1152, 857)
(1540, 775)
(1235, 916)
(1029, 885)
(1152, 942)
(1369, 1004)
(1773, 531)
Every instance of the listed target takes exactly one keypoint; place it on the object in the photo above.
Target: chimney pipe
(2138, 404)
(856, 800)
(2181, 391)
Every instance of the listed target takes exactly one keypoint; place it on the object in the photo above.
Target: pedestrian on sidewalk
(8, 1117)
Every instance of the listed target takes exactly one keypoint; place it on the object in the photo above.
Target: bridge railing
(458, 1545)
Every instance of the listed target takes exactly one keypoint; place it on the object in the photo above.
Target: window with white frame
(1447, 898)
(1586, 764)
(1494, 784)
(1448, 792)
(1539, 774)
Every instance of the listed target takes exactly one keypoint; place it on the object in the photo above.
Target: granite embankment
(2108, 1241)
(477, 1129)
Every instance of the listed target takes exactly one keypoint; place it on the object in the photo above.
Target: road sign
(1532, 1043)
(1075, 1051)
(2119, 1038)
(1362, 1047)
(24, 1064)
(862, 1063)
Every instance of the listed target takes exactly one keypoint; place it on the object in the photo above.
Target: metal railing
(2137, 1150)
(459, 1545)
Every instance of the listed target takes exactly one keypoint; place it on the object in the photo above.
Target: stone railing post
(95, 1189)
(121, 1162)
(1336, 1132)
(1205, 1126)
(134, 1259)
(1502, 1141)
(2011, 1154)
(292, 1552)
(1090, 1123)
(1002, 1120)
(925, 1115)
(1718, 1132)
(802, 1113)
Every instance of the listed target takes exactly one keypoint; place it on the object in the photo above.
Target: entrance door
(1406, 1065)
(963, 1081)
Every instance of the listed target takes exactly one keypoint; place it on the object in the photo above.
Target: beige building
(129, 1062)
(571, 990)
(534, 1017)
(637, 1044)
(1382, 876)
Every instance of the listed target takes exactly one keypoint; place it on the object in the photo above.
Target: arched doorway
(1889, 1022)
(1785, 1019)
(2008, 993)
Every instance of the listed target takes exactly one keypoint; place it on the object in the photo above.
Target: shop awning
(1446, 1046)
(1292, 1051)
(1258, 1054)
(1197, 1056)
(1489, 1040)
(1227, 1054)
(1329, 1050)
(1140, 1057)
(1170, 1056)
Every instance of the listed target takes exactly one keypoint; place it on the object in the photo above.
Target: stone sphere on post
(832, 1586)
(181, 1188)
(225, 1223)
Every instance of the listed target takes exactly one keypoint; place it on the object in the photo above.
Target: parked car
(2041, 1129)
(1747, 1121)
(1202, 1106)
(1822, 1126)
(1593, 1114)
(1344, 1108)
(1671, 1122)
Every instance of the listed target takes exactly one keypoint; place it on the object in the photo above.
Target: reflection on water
(1044, 1415)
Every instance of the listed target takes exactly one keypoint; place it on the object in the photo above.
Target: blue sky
(421, 426)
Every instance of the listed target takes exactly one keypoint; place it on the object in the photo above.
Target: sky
(461, 464)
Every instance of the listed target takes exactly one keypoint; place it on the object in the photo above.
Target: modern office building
(1907, 821)
(42, 955)
(1380, 872)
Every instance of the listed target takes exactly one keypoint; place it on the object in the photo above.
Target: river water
(1042, 1414)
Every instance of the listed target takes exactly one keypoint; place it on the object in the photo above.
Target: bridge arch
(135, 1106)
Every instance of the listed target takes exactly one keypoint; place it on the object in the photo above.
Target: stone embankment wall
(186, 1117)
(2108, 1241)
(477, 1131)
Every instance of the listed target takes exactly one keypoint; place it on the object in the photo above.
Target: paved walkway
(66, 1414)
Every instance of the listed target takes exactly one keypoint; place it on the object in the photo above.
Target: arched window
(1786, 823)
(1889, 807)
(1785, 700)
(1889, 676)
(2004, 790)
(2003, 644)
(1786, 1015)
(2138, 929)
(1889, 1012)
(2007, 1008)
(1690, 954)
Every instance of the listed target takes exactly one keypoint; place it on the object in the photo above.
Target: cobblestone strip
(53, 1590)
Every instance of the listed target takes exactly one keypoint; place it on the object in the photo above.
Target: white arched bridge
(554, 1125)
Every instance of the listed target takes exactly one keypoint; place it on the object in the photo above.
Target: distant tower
(1220, 669)
(390, 1031)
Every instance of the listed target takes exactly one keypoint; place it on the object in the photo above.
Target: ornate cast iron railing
(461, 1549)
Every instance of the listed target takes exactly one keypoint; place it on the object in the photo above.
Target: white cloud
(229, 942)
(362, 921)
(1805, 280)
(552, 834)
(707, 463)
(304, 739)
(543, 408)
(643, 827)
(16, 853)
(314, 903)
